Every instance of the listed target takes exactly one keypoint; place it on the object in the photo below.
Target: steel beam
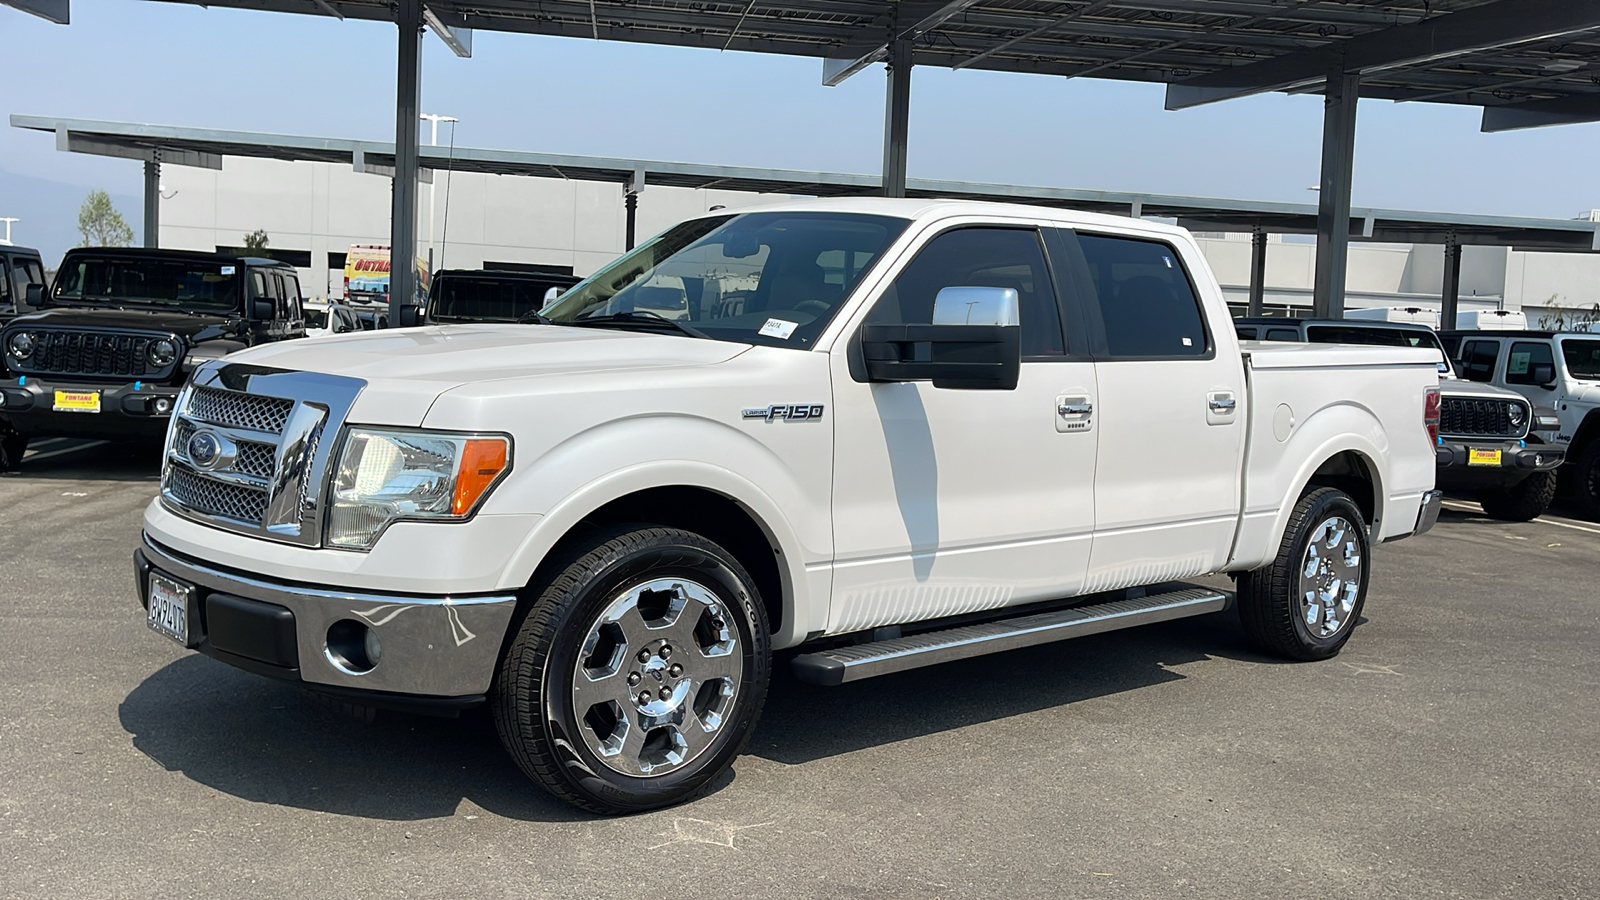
(403, 214)
(457, 37)
(897, 119)
(1497, 24)
(1539, 113)
(1450, 290)
(57, 11)
(835, 71)
(1333, 208)
(152, 201)
(1258, 271)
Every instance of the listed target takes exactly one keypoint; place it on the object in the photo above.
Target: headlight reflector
(162, 352)
(21, 345)
(385, 475)
(1516, 415)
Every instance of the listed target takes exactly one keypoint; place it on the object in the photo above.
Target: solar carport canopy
(1539, 59)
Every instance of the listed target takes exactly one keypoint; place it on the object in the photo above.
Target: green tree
(100, 223)
(1567, 320)
(255, 243)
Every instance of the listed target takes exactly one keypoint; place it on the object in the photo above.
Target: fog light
(373, 647)
(163, 406)
(352, 647)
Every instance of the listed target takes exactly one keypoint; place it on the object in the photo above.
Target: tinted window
(1283, 334)
(1246, 332)
(1145, 298)
(1524, 356)
(1582, 358)
(979, 257)
(491, 299)
(149, 282)
(27, 272)
(1346, 334)
(1477, 360)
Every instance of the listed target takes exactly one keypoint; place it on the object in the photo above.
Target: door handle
(1075, 409)
(1223, 404)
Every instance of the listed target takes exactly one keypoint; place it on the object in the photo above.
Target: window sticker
(1188, 342)
(778, 328)
(1518, 363)
(227, 270)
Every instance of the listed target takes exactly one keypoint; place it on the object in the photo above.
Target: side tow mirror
(34, 295)
(973, 343)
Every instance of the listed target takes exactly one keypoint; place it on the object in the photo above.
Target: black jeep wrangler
(115, 338)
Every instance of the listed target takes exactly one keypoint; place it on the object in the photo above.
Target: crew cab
(1492, 442)
(1554, 369)
(107, 348)
(883, 435)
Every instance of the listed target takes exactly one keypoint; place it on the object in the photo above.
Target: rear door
(1170, 412)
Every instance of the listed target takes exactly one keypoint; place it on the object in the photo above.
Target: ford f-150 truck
(882, 434)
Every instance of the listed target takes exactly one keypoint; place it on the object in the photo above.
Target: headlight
(162, 352)
(385, 475)
(1517, 416)
(21, 345)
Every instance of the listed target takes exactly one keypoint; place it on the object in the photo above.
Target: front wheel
(1522, 502)
(1304, 604)
(638, 673)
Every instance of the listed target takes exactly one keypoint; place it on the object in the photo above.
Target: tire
(610, 697)
(1273, 604)
(1586, 480)
(13, 444)
(1522, 502)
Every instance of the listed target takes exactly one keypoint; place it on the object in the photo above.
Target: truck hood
(406, 369)
(192, 326)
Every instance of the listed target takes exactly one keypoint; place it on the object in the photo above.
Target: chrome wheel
(656, 676)
(1330, 578)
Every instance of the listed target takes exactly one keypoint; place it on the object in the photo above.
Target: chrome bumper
(1429, 514)
(431, 646)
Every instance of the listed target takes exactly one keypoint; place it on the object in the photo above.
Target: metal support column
(630, 202)
(152, 200)
(1258, 270)
(1450, 294)
(897, 118)
(1333, 213)
(403, 214)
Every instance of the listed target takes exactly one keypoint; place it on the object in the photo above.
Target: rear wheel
(1524, 501)
(638, 674)
(1586, 480)
(1305, 603)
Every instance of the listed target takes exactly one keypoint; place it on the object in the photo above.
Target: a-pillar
(1333, 208)
(1258, 270)
(897, 118)
(403, 214)
(1450, 294)
(152, 200)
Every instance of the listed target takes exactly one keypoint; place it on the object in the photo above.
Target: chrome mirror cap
(976, 306)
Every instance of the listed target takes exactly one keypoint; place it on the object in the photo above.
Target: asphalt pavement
(1451, 750)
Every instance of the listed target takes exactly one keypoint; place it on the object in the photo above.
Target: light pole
(433, 120)
(6, 241)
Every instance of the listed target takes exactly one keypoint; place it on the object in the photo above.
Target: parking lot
(1450, 751)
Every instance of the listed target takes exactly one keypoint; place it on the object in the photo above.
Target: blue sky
(176, 64)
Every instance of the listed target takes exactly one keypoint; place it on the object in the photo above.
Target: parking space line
(1542, 520)
(35, 457)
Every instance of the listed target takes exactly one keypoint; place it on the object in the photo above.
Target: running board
(853, 663)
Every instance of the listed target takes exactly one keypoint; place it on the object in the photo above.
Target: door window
(1582, 359)
(979, 257)
(1524, 357)
(1477, 360)
(1147, 304)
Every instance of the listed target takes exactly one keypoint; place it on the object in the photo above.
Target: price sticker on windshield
(227, 270)
(778, 328)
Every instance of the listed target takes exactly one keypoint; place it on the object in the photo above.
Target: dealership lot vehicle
(110, 344)
(19, 267)
(329, 317)
(1553, 369)
(478, 295)
(1491, 442)
(867, 439)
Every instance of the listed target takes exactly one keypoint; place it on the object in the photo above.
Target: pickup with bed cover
(877, 434)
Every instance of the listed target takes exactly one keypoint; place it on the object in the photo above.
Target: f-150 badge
(791, 412)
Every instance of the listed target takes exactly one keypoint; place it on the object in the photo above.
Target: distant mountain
(48, 213)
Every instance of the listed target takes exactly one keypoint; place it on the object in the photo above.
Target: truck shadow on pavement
(70, 459)
(264, 741)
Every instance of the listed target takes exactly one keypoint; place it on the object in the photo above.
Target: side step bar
(853, 663)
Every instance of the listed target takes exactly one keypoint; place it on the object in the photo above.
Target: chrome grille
(216, 498)
(95, 353)
(238, 410)
(1481, 417)
(256, 459)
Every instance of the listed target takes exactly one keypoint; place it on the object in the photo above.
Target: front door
(954, 501)
(1171, 415)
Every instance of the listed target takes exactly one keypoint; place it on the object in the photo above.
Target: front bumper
(132, 408)
(1518, 460)
(439, 647)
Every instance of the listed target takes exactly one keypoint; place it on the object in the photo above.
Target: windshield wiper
(534, 317)
(642, 317)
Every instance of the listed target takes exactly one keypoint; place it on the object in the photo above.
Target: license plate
(169, 607)
(1483, 457)
(78, 401)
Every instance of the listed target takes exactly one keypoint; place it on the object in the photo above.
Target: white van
(1411, 315)
(1492, 320)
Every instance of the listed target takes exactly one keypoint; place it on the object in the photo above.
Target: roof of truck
(922, 209)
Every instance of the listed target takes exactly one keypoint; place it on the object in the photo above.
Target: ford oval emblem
(203, 449)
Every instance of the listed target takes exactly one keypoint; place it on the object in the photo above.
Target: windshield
(760, 278)
(486, 299)
(189, 284)
(1582, 359)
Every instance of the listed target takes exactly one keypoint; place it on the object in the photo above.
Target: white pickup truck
(879, 434)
